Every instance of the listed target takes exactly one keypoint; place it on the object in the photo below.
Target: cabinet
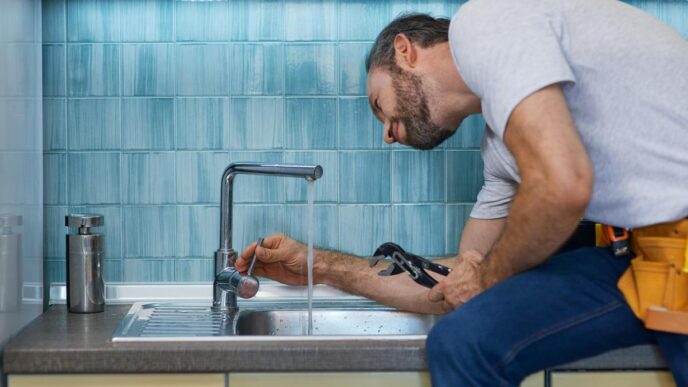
(613, 379)
(329, 379)
(277, 379)
(109, 380)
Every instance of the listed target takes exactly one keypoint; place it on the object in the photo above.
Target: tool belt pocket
(656, 283)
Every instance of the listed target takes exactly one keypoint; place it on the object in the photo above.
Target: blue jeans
(565, 309)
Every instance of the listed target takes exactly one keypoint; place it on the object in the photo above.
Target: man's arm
(481, 234)
(354, 276)
(556, 185)
(284, 259)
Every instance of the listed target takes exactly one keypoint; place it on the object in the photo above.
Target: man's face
(399, 100)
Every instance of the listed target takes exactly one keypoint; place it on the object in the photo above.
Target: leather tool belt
(656, 283)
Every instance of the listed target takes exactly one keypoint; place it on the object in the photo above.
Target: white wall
(21, 166)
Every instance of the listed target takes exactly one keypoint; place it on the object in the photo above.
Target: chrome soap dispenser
(85, 287)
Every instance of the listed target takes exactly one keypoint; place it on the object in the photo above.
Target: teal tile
(362, 19)
(365, 177)
(311, 123)
(257, 69)
(198, 230)
(54, 72)
(300, 17)
(199, 175)
(55, 271)
(358, 127)
(93, 70)
(252, 222)
(464, 175)
(54, 231)
(457, 216)
(112, 270)
(54, 178)
(54, 124)
(325, 225)
(418, 176)
(326, 188)
(362, 228)
(148, 178)
(194, 270)
(112, 229)
(148, 270)
(256, 188)
(672, 12)
(150, 231)
(436, 8)
(469, 135)
(93, 20)
(256, 20)
(93, 124)
(419, 228)
(53, 20)
(310, 69)
(148, 123)
(147, 21)
(202, 69)
(203, 123)
(148, 69)
(256, 123)
(353, 76)
(202, 21)
(93, 178)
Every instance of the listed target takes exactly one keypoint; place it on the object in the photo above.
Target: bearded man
(586, 104)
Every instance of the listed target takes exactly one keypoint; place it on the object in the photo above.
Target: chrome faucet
(228, 281)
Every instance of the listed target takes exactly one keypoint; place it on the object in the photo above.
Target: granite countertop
(61, 342)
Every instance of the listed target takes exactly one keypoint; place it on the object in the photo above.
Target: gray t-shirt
(625, 77)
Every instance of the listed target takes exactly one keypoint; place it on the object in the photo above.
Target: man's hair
(421, 29)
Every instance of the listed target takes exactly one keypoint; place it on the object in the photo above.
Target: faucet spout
(225, 256)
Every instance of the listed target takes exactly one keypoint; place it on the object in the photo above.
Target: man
(586, 103)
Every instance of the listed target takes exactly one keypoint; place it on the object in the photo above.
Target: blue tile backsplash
(147, 102)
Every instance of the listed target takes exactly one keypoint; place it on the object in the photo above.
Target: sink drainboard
(171, 320)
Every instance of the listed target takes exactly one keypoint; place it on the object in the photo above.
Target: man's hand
(463, 283)
(281, 258)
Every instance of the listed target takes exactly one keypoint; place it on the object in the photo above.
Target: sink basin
(270, 322)
(350, 322)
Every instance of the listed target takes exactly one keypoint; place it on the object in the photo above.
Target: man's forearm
(537, 225)
(353, 275)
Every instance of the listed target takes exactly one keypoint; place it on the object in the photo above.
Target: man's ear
(404, 51)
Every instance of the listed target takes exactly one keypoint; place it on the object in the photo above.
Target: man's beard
(412, 109)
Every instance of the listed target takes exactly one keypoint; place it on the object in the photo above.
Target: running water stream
(310, 220)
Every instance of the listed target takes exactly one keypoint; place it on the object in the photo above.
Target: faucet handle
(255, 257)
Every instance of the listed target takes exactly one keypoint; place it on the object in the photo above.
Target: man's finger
(436, 294)
(273, 241)
(267, 255)
(248, 252)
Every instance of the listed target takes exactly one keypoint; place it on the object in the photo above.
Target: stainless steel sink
(352, 322)
(271, 321)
